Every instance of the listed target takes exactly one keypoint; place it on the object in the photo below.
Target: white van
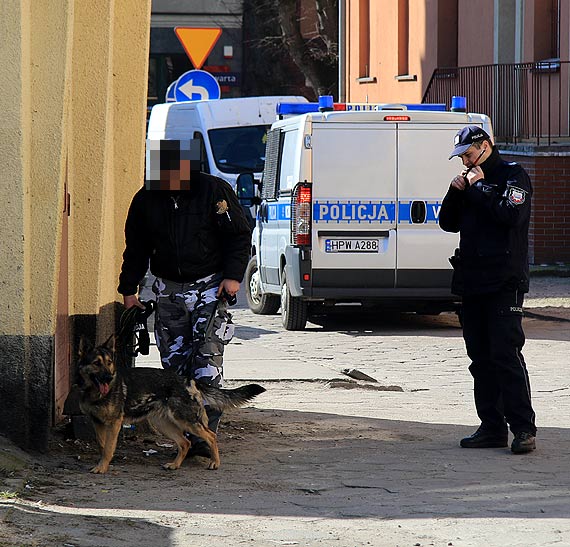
(232, 132)
(349, 212)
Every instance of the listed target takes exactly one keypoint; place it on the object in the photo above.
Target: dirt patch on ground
(288, 477)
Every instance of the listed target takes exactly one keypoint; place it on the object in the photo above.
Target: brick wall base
(550, 220)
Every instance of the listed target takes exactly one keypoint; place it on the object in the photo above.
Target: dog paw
(213, 465)
(170, 466)
(99, 469)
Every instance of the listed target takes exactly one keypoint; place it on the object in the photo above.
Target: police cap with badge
(467, 137)
(472, 134)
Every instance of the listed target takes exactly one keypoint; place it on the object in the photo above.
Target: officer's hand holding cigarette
(472, 175)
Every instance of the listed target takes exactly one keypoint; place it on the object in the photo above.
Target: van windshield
(239, 149)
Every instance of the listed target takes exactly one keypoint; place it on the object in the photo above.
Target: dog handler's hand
(132, 300)
(230, 285)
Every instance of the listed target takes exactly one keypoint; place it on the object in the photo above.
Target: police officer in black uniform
(489, 205)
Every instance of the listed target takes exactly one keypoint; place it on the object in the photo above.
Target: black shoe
(485, 439)
(523, 442)
(199, 449)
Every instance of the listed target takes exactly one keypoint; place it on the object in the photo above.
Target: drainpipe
(341, 50)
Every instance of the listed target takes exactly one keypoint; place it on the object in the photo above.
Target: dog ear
(85, 346)
(110, 343)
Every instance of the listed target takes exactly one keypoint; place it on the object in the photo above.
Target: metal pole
(341, 51)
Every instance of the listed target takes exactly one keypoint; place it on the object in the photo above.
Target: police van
(349, 210)
(232, 132)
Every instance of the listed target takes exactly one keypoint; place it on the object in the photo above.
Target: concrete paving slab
(241, 363)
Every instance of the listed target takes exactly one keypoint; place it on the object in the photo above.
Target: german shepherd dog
(111, 396)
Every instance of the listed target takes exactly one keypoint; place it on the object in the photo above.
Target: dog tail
(229, 398)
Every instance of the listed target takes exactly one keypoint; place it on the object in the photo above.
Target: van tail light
(301, 204)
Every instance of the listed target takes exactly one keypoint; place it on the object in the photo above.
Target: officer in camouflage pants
(192, 326)
(190, 230)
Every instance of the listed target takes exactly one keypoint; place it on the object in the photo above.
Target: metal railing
(527, 102)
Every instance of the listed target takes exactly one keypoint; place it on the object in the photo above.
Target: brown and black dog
(111, 396)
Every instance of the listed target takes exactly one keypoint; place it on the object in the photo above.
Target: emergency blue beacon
(325, 103)
(458, 104)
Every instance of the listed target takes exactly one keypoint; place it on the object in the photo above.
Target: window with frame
(287, 170)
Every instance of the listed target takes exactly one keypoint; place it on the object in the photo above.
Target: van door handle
(263, 212)
(418, 212)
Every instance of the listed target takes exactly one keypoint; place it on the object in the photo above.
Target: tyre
(293, 309)
(262, 304)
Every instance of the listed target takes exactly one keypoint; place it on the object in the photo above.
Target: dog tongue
(104, 389)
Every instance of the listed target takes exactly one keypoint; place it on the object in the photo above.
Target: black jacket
(185, 235)
(492, 217)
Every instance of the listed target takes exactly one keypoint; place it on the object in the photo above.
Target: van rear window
(239, 149)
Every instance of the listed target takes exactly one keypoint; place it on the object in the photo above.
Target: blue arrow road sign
(170, 98)
(196, 85)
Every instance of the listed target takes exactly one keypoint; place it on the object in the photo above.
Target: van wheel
(262, 304)
(293, 309)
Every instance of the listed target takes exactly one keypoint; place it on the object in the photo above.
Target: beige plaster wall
(129, 125)
(14, 157)
(34, 89)
(73, 83)
(51, 26)
(110, 67)
(73, 93)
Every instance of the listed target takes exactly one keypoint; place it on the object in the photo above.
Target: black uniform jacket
(492, 217)
(185, 235)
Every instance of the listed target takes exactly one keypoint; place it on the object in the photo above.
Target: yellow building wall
(73, 82)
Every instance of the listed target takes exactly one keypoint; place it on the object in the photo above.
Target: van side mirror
(245, 190)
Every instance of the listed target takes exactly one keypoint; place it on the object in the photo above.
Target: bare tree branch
(277, 35)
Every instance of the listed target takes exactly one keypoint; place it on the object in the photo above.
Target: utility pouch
(219, 332)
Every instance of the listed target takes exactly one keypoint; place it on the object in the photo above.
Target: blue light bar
(296, 108)
(325, 103)
(428, 107)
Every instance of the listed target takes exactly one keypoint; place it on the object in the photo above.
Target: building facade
(509, 58)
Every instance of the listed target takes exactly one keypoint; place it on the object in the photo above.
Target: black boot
(483, 438)
(523, 442)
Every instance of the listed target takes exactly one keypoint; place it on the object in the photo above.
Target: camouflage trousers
(192, 328)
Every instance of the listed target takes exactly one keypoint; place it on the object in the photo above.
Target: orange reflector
(396, 118)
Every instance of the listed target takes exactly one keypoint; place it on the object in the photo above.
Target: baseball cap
(466, 137)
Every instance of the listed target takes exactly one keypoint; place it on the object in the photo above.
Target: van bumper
(381, 285)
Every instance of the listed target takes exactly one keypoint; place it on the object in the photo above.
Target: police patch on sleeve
(516, 196)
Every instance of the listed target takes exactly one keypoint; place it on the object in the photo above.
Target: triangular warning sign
(198, 42)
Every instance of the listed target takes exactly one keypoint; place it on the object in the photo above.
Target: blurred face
(476, 154)
(170, 164)
(176, 179)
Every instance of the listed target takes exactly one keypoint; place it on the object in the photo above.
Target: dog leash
(133, 330)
